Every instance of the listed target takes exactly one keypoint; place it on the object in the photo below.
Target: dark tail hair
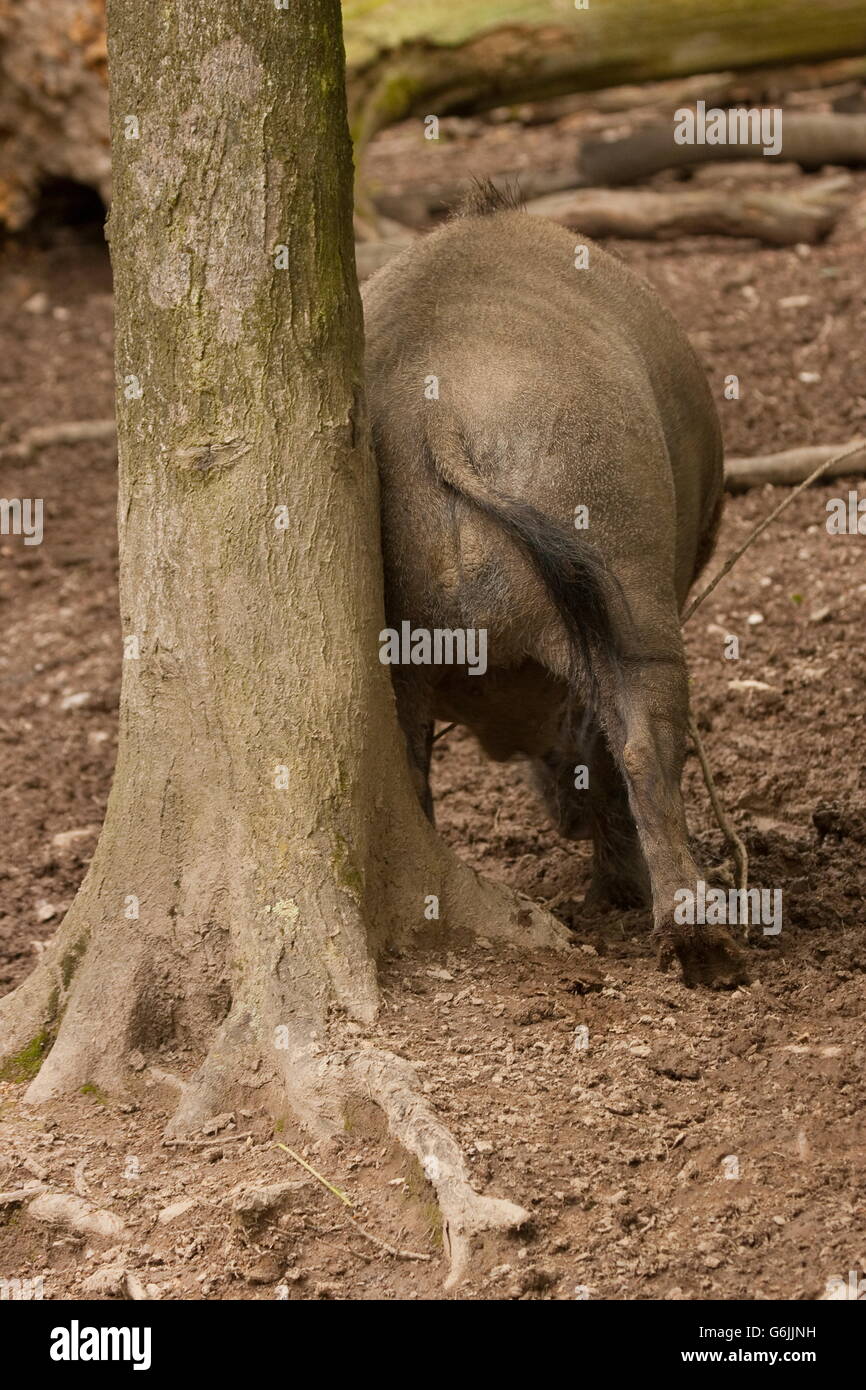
(579, 583)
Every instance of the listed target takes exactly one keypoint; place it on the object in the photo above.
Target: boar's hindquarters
(512, 396)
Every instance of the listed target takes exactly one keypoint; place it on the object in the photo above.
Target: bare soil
(701, 1145)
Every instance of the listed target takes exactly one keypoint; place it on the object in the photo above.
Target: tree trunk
(263, 841)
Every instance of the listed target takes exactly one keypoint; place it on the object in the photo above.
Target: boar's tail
(587, 597)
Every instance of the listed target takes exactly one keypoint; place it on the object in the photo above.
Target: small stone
(108, 1282)
(250, 1202)
(68, 839)
(176, 1209)
(34, 1166)
(755, 619)
(585, 979)
(675, 1064)
(820, 615)
(76, 700)
(62, 1209)
(45, 910)
(36, 304)
(266, 1270)
(219, 1122)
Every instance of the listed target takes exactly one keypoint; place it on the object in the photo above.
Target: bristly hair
(486, 197)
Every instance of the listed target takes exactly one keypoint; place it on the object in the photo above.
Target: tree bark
(263, 841)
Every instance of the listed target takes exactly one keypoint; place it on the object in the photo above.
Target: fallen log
(71, 432)
(811, 141)
(410, 60)
(794, 466)
(780, 85)
(780, 219)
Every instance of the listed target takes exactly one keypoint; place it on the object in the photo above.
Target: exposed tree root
(108, 990)
(468, 1216)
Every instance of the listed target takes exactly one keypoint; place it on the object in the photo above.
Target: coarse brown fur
(556, 388)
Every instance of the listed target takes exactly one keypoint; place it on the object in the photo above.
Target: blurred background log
(792, 466)
(432, 57)
(446, 56)
(810, 140)
(804, 214)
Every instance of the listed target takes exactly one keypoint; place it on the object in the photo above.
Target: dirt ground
(669, 1144)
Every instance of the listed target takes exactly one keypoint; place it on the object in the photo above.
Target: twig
(443, 732)
(207, 1143)
(738, 848)
(383, 1244)
(740, 853)
(791, 466)
(324, 1181)
(741, 550)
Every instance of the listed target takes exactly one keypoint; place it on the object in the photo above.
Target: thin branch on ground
(738, 848)
(368, 1235)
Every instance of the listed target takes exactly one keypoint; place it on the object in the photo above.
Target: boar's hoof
(707, 955)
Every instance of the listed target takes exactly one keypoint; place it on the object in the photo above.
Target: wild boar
(551, 471)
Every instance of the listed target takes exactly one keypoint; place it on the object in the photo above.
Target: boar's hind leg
(619, 872)
(415, 712)
(647, 704)
(567, 806)
(598, 810)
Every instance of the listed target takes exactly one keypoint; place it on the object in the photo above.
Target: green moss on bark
(24, 1065)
